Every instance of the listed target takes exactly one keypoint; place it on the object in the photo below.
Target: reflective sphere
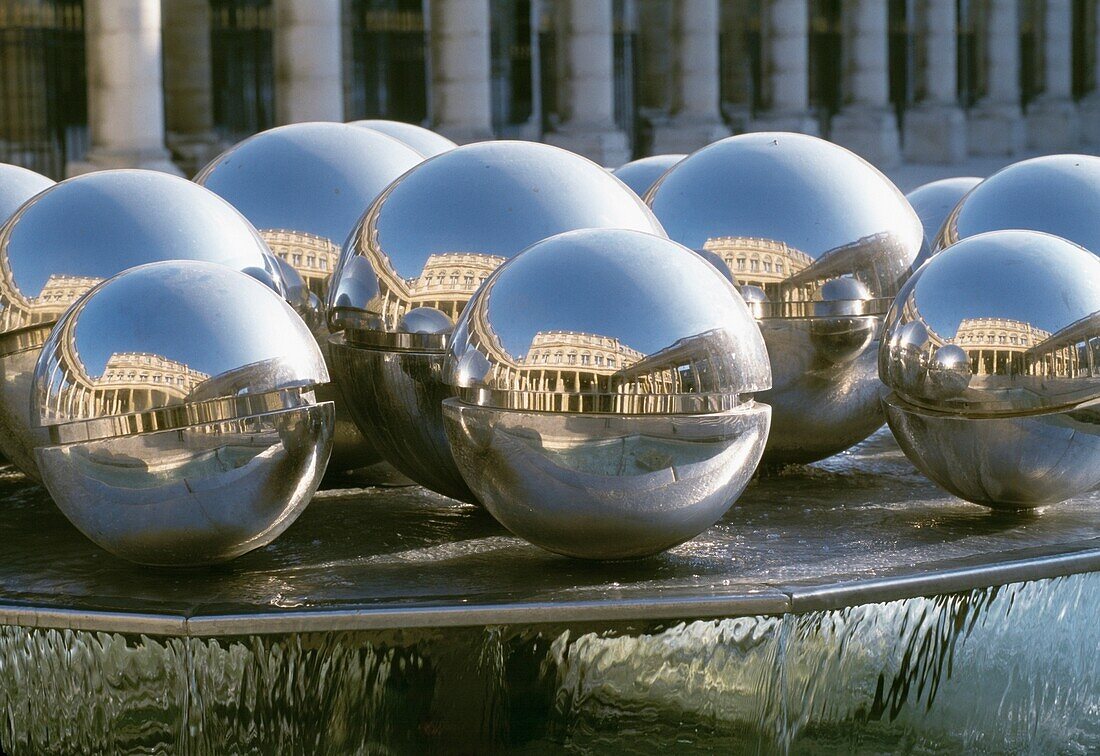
(178, 402)
(305, 187)
(87, 229)
(426, 245)
(604, 385)
(934, 201)
(992, 350)
(425, 141)
(829, 240)
(643, 173)
(17, 185)
(1056, 194)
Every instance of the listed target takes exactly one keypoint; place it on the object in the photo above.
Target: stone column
(461, 68)
(786, 29)
(996, 122)
(1052, 121)
(308, 61)
(935, 130)
(867, 124)
(189, 109)
(1090, 106)
(586, 94)
(125, 99)
(695, 119)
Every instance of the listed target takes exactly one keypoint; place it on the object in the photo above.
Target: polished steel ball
(84, 230)
(17, 185)
(427, 244)
(305, 187)
(992, 351)
(643, 173)
(829, 240)
(934, 201)
(425, 141)
(177, 398)
(1056, 194)
(604, 384)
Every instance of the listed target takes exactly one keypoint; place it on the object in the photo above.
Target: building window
(572, 358)
(586, 359)
(468, 280)
(779, 268)
(599, 359)
(557, 358)
(611, 362)
(740, 263)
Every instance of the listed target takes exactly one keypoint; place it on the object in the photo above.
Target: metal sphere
(1056, 194)
(17, 185)
(992, 351)
(603, 387)
(305, 186)
(425, 141)
(178, 400)
(429, 241)
(79, 232)
(830, 240)
(934, 201)
(643, 173)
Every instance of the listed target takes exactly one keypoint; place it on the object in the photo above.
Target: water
(1009, 669)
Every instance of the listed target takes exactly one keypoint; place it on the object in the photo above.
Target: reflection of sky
(1043, 283)
(313, 178)
(584, 286)
(212, 332)
(102, 224)
(17, 185)
(815, 198)
(498, 200)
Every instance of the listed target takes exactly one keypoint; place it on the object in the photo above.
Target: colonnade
(127, 87)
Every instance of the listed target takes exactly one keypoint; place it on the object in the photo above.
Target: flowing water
(1009, 669)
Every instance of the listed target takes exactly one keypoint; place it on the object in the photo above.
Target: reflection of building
(997, 346)
(760, 262)
(314, 257)
(1071, 352)
(21, 312)
(447, 282)
(131, 382)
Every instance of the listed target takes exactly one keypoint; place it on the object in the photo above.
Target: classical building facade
(165, 84)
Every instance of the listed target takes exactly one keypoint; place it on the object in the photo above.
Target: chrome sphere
(643, 173)
(425, 141)
(305, 187)
(178, 402)
(604, 385)
(829, 240)
(426, 244)
(1056, 194)
(992, 351)
(89, 228)
(934, 201)
(17, 185)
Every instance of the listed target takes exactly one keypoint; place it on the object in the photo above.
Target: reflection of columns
(189, 112)
(935, 130)
(1090, 105)
(996, 122)
(867, 124)
(696, 121)
(586, 82)
(308, 61)
(786, 57)
(461, 68)
(125, 100)
(1052, 121)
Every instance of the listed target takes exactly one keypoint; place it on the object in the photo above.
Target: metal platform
(859, 528)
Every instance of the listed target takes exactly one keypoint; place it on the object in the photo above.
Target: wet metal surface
(862, 526)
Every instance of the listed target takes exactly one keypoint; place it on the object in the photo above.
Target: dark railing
(242, 67)
(43, 91)
(386, 60)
